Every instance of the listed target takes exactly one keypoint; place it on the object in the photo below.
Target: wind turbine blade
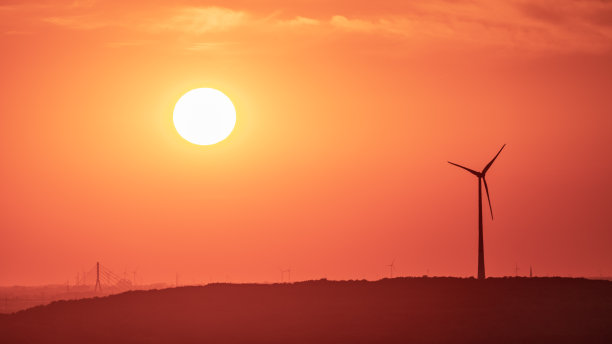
(465, 168)
(491, 162)
(488, 198)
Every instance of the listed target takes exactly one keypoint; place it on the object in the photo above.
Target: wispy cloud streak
(540, 25)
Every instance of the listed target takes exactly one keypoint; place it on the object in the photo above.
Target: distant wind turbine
(134, 275)
(288, 271)
(391, 266)
(481, 180)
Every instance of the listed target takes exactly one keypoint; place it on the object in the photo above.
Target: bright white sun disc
(204, 116)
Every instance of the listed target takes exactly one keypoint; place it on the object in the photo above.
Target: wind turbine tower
(98, 287)
(391, 266)
(288, 271)
(481, 180)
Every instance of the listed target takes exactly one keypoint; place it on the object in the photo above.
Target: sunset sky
(347, 113)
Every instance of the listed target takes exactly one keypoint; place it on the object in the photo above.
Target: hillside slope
(421, 310)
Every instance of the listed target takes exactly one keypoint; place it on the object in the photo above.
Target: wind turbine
(134, 273)
(288, 271)
(391, 267)
(481, 179)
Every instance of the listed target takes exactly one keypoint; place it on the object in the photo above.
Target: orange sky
(346, 115)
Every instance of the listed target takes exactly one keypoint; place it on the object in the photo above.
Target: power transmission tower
(98, 287)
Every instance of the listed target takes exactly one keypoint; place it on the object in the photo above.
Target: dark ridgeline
(481, 179)
(401, 310)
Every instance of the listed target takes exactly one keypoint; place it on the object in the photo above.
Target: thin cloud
(208, 46)
(357, 25)
(189, 20)
(123, 44)
(518, 25)
(78, 22)
(199, 20)
(83, 3)
(300, 21)
(46, 5)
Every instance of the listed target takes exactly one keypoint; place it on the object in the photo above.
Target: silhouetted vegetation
(420, 310)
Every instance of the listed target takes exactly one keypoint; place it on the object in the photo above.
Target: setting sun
(204, 116)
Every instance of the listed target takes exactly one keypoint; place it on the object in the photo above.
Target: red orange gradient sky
(347, 112)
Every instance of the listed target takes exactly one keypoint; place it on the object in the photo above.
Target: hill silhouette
(420, 310)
